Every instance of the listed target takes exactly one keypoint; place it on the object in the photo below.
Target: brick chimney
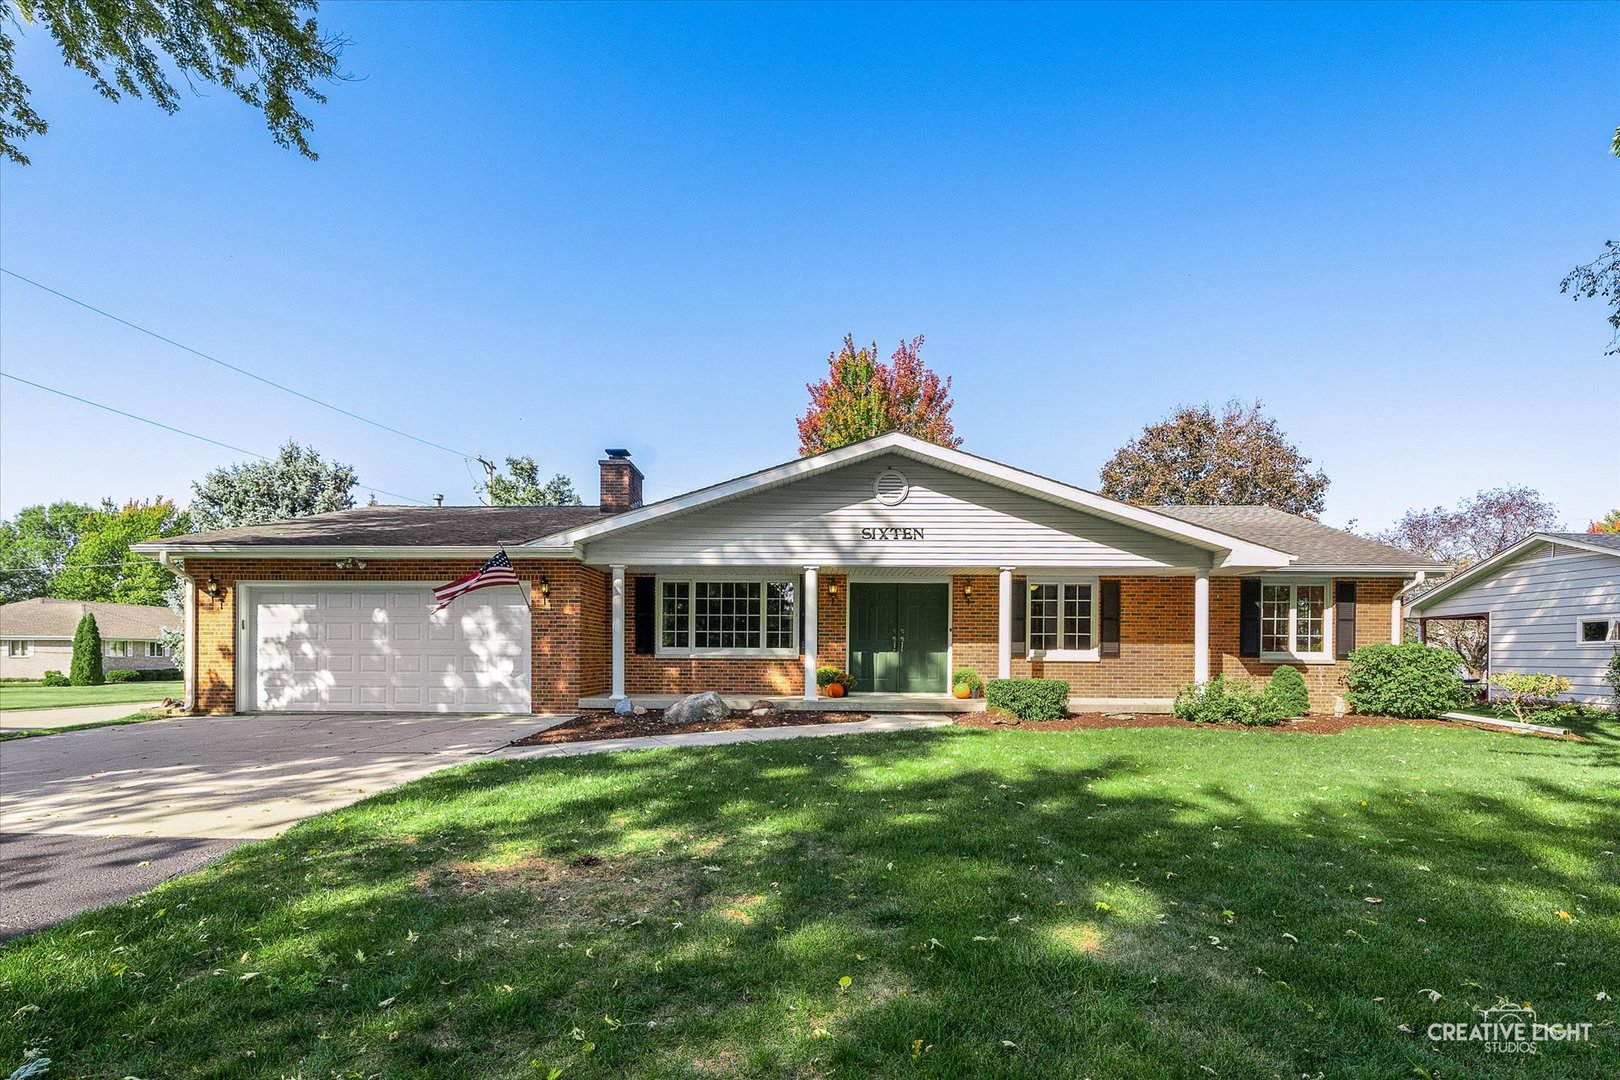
(621, 482)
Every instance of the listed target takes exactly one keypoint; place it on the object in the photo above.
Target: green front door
(899, 637)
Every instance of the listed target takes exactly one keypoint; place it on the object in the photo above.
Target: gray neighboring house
(1551, 603)
(36, 635)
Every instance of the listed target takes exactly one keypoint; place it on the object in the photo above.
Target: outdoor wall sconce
(967, 592)
(832, 588)
(213, 588)
(545, 587)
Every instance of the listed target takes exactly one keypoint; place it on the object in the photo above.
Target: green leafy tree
(86, 669)
(101, 566)
(269, 53)
(862, 397)
(34, 546)
(1199, 458)
(1600, 278)
(523, 486)
(296, 482)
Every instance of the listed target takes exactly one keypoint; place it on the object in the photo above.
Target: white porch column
(617, 647)
(1004, 626)
(1201, 626)
(811, 645)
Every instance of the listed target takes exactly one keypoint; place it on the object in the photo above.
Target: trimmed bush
(1287, 693)
(155, 674)
(1227, 701)
(1409, 680)
(56, 678)
(123, 675)
(1612, 674)
(85, 670)
(969, 676)
(1029, 699)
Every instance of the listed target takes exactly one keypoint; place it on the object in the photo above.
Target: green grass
(1587, 721)
(1120, 903)
(13, 696)
(132, 718)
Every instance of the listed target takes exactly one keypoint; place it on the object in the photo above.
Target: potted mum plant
(966, 683)
(834, 682)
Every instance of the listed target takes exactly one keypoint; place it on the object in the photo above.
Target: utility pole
(489, 478)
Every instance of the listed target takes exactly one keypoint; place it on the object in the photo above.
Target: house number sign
(891, 534)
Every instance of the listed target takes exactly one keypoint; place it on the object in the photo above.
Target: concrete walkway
(88, 818)
(34, 719)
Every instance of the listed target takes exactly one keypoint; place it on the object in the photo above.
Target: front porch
(886, 703)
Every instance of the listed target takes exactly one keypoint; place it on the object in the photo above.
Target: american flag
(496, 571)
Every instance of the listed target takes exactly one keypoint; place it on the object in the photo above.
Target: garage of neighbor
(312, 648)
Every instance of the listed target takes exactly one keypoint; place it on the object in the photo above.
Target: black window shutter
(798, 606)
(1110, 618)
(1020, 614)
(646, 615)
(1249, 617)
(1344, 618)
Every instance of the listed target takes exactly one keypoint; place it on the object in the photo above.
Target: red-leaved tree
(862, 397)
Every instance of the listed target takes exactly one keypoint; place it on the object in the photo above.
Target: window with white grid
(1294, 620)
(1061, 619)
(738, 617)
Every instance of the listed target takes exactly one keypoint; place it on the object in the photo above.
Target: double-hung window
(746, 617)
(18, 649)
(1062, 620)
(1294, 620)
(1597, 630)
(116, 648)
(155, 648)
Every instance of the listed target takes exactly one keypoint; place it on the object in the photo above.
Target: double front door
(899, 637)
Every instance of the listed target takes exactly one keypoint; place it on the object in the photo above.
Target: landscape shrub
(1410, 680)
(969, 676)
(118, 675)
(1613, 675)
(1529, 691)
(1227, 701)
(156, 674)
(85, 669)
(1029, 699)
(826, 676)
(1288, 694)
(56, 678)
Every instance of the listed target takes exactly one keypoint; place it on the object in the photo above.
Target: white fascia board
(1347, 569)
(163, 551)
(1486, 567)
(1237, 552)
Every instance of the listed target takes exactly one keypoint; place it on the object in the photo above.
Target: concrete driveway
(82, 811)
(26, 719)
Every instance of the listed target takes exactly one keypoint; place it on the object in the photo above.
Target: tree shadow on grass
(1139, 903)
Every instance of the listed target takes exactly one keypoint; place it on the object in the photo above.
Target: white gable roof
(1225, 550)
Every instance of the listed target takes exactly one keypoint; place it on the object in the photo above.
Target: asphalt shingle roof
(405, 526)
(46, 618)
(1315, 544)
(1603, 540)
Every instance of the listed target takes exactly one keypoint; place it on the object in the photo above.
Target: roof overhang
(167, 553)
(1485, 567)
(1227, 551)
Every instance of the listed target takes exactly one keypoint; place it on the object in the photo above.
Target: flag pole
(523, 585)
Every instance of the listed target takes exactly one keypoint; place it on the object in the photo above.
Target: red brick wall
(766, 677)
(570, 629)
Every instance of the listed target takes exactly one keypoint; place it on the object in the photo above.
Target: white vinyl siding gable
(1534, 604)
(945, 520)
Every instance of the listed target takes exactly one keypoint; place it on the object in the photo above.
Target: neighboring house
(1551, 603)
(36, 635)
(893, 557)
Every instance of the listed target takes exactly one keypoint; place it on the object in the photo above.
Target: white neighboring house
(1551, 604)
(36, 635)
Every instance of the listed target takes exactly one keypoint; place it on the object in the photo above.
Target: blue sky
(550, 229)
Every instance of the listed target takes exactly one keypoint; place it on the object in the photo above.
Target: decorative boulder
(624, 707)
(641, 710)
(696, 709)
(762, 707)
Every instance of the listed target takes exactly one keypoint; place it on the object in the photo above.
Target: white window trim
(1609, 642)
(28, 649)
(1329, 621)
(1082, 655)
(692, 652)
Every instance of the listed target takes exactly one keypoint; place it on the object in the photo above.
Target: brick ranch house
(894, 558)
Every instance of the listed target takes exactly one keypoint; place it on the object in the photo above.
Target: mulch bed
(1310, 725)
(605, 724)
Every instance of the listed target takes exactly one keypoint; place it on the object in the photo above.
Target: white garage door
(314, 649)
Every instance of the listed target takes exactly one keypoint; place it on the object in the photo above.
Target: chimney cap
(618, 455)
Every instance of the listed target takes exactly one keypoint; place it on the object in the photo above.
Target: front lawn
(37, 696)
(960, 903)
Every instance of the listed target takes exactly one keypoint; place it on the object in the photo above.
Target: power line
(169, 427)
(233, 367)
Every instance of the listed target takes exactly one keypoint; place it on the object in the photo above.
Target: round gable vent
(891, 487)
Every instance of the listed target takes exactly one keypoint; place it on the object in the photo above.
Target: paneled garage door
(312, 648)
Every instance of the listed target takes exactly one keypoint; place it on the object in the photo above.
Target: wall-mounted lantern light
(832, 588)
(213, 588)
(545, 587)
(967, 592)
